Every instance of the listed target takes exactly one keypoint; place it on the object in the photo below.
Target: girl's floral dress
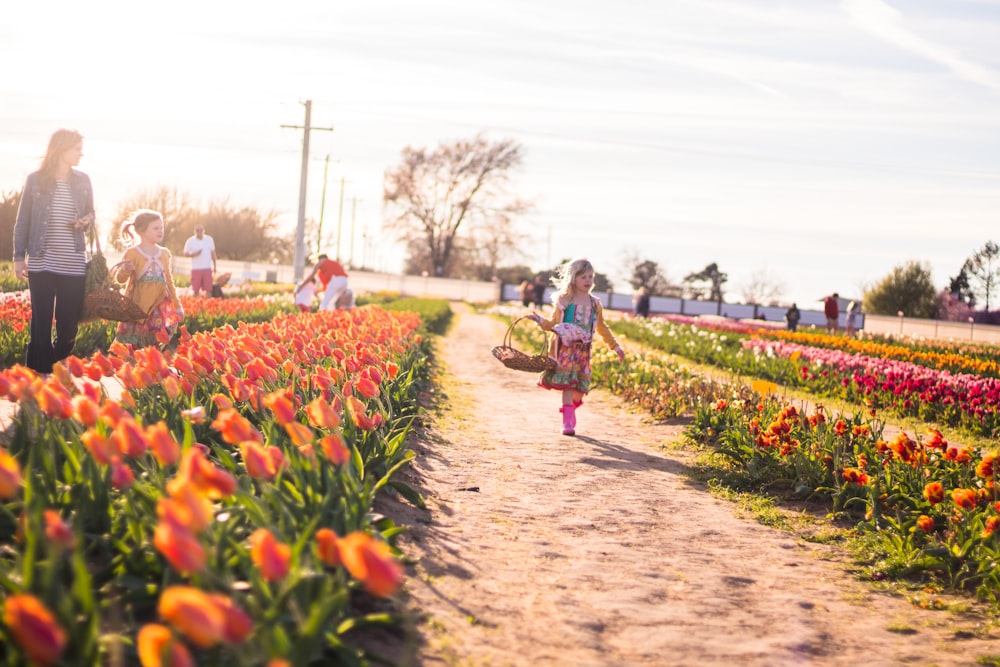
(163, 319)
(572, 350)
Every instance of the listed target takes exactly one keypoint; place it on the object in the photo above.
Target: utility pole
(322, 207)
(340, 216)
(354, 206)
(300, 230)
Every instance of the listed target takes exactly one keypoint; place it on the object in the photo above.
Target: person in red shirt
(831, 307)
(332, 280)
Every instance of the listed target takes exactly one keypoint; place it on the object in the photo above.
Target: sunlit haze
(823, 142)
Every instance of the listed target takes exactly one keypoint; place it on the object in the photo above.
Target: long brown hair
(61, 141)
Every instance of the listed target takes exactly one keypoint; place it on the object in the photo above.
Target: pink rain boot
(569, 419)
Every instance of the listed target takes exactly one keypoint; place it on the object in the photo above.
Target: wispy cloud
(885, 22)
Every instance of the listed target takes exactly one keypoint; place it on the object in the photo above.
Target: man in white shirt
(201, 249)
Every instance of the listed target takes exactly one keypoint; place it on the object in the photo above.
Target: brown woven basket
(107, 303)
(519, 361)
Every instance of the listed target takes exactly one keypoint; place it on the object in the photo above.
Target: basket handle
(510, 330)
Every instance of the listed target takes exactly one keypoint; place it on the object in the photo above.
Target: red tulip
(34, 628)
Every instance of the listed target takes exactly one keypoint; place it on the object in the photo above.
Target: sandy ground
(596, 550)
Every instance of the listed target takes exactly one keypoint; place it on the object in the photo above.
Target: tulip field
(217, 509)
(927, 509)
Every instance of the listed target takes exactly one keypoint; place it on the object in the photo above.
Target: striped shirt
(59, 254)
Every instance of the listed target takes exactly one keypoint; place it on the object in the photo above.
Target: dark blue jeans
(59, 295)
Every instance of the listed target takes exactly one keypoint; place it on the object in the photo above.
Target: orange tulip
(193, 612)
(321, 414)
(74, 365)
(300, 434)
(934, 493)
(187, 507)
(112, 412)
(101, 448)
(165, 447)
(171, 387)
(281, 405)
(34, 628)
(235, 428)
(10, 475)
(129, 437)
(328, 546)
(222, 402)
(964, 498)
(357, 410)
(54, 401)
(370, 562)
(85, 410)
(257, 461)
(925, 523)
(335, 449)
(180, 547)
(62, 374)
(270, 556)
(58, 531)
(366, 387)
(158, 647)
(207, 478)
(278, 459)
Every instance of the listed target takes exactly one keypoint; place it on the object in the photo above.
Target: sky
(814, 145)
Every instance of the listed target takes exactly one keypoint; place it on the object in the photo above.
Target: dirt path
(595, 550)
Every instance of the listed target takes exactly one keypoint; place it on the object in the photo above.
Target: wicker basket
(107, 303)
(519, 361)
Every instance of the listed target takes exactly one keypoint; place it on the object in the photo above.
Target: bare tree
(762, 288)
(175, 206)
(487, 244)
(430, 195)
(244, 234)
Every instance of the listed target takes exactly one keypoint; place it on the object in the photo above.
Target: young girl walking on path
(575, 317)
(145, 268)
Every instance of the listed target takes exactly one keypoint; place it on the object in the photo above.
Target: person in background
(346, 299)
(853, 308)
(305, 294)
(538, 291)
(527, 293)
(56, 209)
(831, 308)
(792, 316)
(145, 270)
(201, 249)
(640, 302)
(576, 315)
(332, 278)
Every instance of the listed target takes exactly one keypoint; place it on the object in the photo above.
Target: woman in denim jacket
(57, 208)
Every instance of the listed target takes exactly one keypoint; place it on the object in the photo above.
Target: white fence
(488, 292)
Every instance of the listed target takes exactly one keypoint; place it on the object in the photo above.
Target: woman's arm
(22, 228)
